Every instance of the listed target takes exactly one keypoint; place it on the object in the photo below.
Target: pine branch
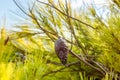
(55, 71)
(66, 14)
(84, 61)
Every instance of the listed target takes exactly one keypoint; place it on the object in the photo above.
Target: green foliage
(94, 41)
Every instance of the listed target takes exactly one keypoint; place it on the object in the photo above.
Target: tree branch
(83, 60)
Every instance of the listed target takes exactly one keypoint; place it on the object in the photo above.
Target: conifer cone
(61, 50)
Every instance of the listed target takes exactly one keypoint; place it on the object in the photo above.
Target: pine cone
(61, 50)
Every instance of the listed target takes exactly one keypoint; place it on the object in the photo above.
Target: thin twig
(21, 8)
(69, 22)
(100, 66)
(45, 31)
(55, 63)
(55, 71)
(33, 6)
